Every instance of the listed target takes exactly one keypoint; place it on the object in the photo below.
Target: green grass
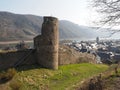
(64, 78)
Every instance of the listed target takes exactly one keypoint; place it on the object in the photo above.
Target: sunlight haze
(77, 11)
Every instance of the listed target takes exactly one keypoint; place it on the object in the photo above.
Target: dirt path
(109, 81)
(112, 83)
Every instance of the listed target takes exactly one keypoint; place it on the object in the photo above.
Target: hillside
(17, 27)
(108, 80)
(66, 78)
(69, 30)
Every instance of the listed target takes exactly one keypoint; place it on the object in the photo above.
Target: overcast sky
(77, 11)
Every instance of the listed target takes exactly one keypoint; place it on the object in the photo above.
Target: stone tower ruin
(46, 44)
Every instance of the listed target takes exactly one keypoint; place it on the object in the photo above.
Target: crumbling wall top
(49, 19)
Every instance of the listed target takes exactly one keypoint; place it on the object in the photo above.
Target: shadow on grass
(112, 76)
(4, 80)
(28, 67)
(8, 74)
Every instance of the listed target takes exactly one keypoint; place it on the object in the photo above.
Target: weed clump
(7, 75)
(15, 85)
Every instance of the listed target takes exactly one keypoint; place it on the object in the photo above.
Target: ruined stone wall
(46, 50)
(47, 43)
(9, 59)
(69, 55)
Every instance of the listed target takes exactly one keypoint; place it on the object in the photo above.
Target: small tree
(110, 9)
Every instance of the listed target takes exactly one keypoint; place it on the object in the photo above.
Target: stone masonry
(46, 44)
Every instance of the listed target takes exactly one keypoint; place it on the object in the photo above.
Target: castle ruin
(45, 52)
(46, 44)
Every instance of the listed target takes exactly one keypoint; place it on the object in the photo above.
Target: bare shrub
(7, 75)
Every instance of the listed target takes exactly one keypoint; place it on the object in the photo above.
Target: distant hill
(25, 27)
(69, 30)
(15, 26)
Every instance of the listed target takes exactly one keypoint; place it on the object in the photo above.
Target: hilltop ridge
(25, 27)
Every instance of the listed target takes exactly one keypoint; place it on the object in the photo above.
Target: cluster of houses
(105, 51)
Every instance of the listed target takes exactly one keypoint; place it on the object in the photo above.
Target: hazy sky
(76, 11)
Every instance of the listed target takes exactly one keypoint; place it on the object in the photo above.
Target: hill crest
(25, 27)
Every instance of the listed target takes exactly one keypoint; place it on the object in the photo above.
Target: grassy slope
(65, 78)
(111, 79)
